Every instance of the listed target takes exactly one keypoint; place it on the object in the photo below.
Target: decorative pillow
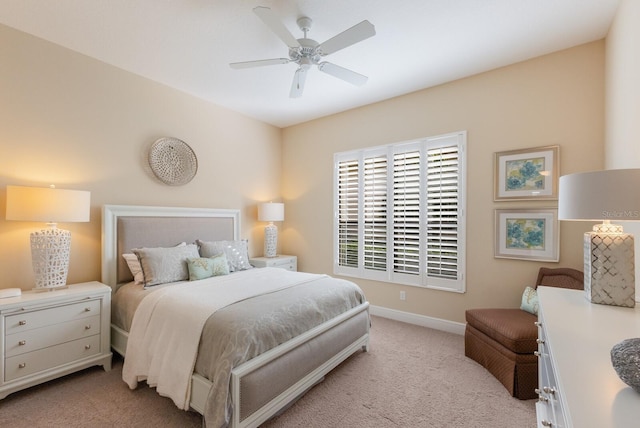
(165, 264)
(220, 264)
(134, 267)
(236, 251)
(205, 267)
(530, 301)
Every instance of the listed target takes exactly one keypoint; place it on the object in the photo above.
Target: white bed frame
(201, 386)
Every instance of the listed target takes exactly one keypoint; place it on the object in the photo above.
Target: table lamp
(609, 261)
(50, 247)
(270, 211)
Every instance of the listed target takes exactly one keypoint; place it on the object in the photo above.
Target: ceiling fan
(307, 52)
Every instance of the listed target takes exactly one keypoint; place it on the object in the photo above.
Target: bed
(267, 380)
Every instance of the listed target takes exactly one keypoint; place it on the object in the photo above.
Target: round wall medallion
(173, 161)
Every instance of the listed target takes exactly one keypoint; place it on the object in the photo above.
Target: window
(399, 213)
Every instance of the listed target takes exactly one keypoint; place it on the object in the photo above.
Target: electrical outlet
(403, 295)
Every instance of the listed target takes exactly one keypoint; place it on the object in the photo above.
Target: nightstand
(50, 334)
(279, 261)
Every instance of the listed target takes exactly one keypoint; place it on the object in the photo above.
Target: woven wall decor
(173, 161)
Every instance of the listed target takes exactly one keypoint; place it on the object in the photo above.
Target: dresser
(578, 387)
(49, 334)
(279, 261)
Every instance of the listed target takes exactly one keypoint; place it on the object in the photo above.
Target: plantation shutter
(348, 189)
(375, 213)
(399, 213)
(406, 212)
(443, 176)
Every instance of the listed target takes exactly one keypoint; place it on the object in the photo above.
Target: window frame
(422, 279)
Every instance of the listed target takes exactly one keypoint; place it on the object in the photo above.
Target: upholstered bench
(504, 340)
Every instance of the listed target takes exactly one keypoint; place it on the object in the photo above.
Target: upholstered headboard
(126, 226)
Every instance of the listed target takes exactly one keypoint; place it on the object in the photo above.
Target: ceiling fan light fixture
(307, 52)
(305, 62)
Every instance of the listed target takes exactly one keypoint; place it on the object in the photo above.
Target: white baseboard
(421, 320)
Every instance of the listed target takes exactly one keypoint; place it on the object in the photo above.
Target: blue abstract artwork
(524, 174)
(525, 234)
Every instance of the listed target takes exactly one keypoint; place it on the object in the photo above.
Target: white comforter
(165, 333)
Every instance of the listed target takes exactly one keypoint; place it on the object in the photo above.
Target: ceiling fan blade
(272, 21)
(259, 63)
(343, 73)
(298, 82)
(353, 35)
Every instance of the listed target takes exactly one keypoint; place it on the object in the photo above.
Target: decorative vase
(625, 357)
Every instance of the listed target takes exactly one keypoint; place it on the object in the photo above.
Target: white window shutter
(400, 213)
(347, 213)
(375, 213)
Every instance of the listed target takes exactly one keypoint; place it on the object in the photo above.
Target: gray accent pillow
(237, 252)
(165, 264)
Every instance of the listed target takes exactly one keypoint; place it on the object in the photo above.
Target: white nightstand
(50, 334)
(279, 261)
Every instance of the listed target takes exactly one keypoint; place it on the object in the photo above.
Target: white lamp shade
(271, 211)
(600, 195)
(43, 204)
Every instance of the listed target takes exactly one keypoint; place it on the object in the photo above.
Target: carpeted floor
(412, 377)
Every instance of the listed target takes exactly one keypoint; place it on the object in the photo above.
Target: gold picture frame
(527, 174)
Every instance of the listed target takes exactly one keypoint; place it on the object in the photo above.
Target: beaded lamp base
(270, 240)
(609, 270)
(50, 258)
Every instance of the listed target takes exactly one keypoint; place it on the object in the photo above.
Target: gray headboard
(126, 226)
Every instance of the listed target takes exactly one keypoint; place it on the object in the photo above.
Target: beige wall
(622, 145)
(78, 123)
(81, 124)
(554, 99)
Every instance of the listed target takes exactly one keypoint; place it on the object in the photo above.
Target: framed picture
(527, 234)
(527, 174)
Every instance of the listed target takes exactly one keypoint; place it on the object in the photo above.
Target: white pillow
(134, 267)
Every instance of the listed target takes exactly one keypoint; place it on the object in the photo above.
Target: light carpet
(411, 377)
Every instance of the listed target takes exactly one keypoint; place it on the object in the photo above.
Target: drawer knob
(22, 322)
(538, 324)
(87, 327)
(549, 390)
(536, 353)
(87, 309)
(546, 423)
(22, 365)
(540, 341)
(22, 342)
(87, 347)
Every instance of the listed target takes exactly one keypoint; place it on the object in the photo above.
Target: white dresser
(279, 261)
(578, 386)
(53, 333)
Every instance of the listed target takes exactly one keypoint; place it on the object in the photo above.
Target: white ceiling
(188, 44)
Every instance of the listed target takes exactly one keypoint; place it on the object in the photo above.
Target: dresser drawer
(41, 318)
(548, 409)
(285, 264)
(282, 262)
(38, 338)
(32, 362)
